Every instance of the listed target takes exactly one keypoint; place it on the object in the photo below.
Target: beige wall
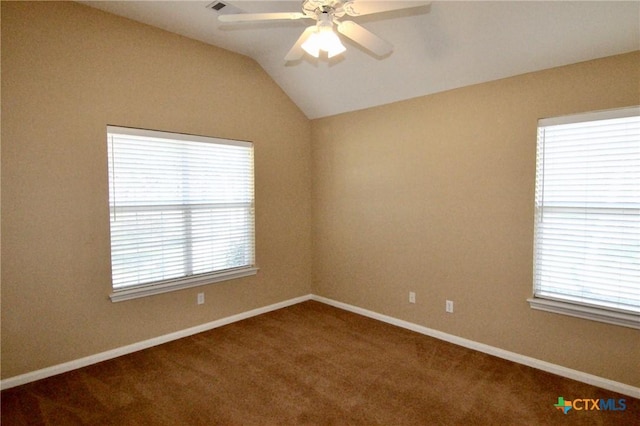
(69, 70)
(435, 195)
(432, 195)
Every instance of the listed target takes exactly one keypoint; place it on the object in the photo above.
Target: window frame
(186, 281)
(562, 306)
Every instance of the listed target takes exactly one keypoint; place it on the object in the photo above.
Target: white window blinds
(181, 206)
(587, 227)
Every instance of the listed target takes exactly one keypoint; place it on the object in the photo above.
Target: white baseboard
(114, 353)
(491, 350)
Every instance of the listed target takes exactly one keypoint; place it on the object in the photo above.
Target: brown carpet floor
(307, 364)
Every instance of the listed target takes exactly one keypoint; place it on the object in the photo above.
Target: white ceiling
(447, 45)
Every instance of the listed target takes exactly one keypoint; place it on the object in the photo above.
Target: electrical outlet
(412, 297)
(449, 306)
(200, 298)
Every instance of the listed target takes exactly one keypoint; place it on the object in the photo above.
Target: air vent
(223, 8)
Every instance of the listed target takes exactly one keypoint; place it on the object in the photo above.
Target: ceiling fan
(327, 14)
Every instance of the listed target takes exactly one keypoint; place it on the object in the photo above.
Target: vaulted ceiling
(443, 46)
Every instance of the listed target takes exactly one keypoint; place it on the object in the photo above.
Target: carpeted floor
(307, 364)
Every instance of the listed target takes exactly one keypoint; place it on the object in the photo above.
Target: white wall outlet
(449, 306)
(200, 298)
(412, 297)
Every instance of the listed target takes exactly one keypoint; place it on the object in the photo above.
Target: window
(587, 216)
(181, 211)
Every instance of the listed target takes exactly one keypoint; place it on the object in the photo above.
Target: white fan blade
(364, 37)
(296, 51)
(249, 17)
(359, 7)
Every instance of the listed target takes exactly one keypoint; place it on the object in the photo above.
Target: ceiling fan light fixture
(324, 38)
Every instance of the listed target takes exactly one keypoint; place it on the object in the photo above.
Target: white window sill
(179, 284)
(586, 312)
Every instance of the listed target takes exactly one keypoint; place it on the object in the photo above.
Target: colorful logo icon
(563, 405)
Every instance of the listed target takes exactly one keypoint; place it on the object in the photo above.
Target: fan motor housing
(315, 8)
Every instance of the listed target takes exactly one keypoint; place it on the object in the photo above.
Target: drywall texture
(69, 70)
(435, 195)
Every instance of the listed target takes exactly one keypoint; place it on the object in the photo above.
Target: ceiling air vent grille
(223, 8)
